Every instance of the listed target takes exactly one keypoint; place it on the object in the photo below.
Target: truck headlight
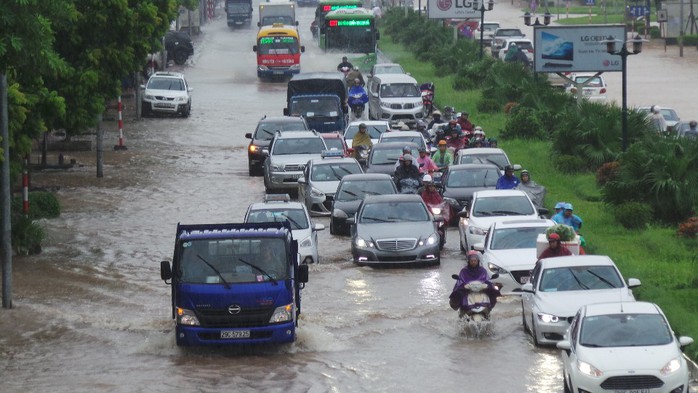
(262, 68)
(187, 317)
(282, 314)
(547, 318)
(673, 366)
(588, 369)
(496, 269)
(307, 242)
(363, 243)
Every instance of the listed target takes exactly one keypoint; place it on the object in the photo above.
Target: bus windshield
(278, 46)
(351, 35)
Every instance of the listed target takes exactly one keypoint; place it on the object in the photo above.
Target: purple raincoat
(459, 298)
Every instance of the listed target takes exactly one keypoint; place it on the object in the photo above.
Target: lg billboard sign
(453, 9)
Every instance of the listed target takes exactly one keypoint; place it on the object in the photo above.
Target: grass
(666, 265)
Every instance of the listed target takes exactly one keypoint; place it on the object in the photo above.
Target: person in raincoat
(514, 55)
(535, 191)
(473, 271)
(361, 139)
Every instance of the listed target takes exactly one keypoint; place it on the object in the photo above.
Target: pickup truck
(321, 98)
(235, 284)
(501, 35)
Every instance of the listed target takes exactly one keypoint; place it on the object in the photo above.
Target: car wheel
(180, 56)
(186, 111)
(533, 332)
(333, 231)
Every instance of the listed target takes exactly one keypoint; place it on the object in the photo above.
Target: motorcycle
(427, 90)
(357, 101)
(474, 302)
(441, 213)
(361, 153)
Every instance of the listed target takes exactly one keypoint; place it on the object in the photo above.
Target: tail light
(603, 91)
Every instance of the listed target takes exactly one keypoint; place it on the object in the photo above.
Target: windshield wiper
(336, 175)
(350, 193)
(375, 219)
(482, 213)
(292, 221)
(610, 284)
(577, 280)
(215, 270)
(268, 132)
(253, 266)
(507, 213)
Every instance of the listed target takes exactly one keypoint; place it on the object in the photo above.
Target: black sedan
(351, 191)
(461, 181)
(385, 155)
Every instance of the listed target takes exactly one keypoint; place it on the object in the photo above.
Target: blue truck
(320, 97)
(235, 284)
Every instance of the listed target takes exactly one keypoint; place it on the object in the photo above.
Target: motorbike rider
(354, 78)
(407, 150)
(452, 130)
(430, 195)
(421, 126)
(465, 124)
(407, 171)
(357, 97)
(442, 157)
(555, 248)
(472, 271)
(567, 217)
(361, 139)
(535, 191)
(508, 181)
(424, 162)
(436, 119)
(345, 64)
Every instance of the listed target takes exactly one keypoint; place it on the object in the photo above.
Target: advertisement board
(453, 9)
(576, 48)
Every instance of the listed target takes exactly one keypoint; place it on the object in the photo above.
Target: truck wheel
(180, 56)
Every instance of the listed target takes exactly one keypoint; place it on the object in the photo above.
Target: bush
(26, 235)
(689, 228)
(41, 205)
(488, 105)
(569, 164)
(607, 172)
(632, 215)
(566, 232)
(523, 123)
(690, 39)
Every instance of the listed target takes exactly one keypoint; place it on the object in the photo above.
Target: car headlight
(263, 68)
(282, 314)
(363, 243)
(181, 99)
(277, 167)
(436, 211)
(187, 317)
(385, 105)
(430, 240)
(496, 269)
(307, 242)
(588, 369)
(673, 366)
(418, 104)
(477, 230)
(547, 318)
(253, 148)
(148, 97)
(295, 67)
(314, 192)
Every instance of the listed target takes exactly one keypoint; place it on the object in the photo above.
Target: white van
(395, 97)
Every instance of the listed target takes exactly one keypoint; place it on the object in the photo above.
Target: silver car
(289, 153)
(320, 180)
(394, 230)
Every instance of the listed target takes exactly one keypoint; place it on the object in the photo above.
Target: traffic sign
(590, 2)
(639, 10)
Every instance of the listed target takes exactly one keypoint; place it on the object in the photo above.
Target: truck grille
(248, 317)
(396, 244)
(632, 382)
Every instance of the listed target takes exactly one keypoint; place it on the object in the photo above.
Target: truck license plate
(235, 334)
(278, 72)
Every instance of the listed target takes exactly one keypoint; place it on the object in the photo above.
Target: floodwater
(92, 315)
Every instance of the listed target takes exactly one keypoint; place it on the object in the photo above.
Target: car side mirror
(683, 341)
(318, 227)
(259, 24)
(564, 345)
(302, 273)
(351, 220)
(463, 213)
(528, 287)
(190, 89)
(297, 24)
(301, 180)
(165, 271)
(248, 135)
(254, 48)
(479, 247)
(633, 283)
(543, 211)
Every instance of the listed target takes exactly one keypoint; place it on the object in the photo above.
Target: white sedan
(594, 87)
(623, 347)
(560, 286)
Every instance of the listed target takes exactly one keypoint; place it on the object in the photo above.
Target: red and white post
(25, 187)
(119, 109)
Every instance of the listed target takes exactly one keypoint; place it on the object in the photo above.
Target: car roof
(621, 307)
(387, 65)
(576, 260)
(481, 150)
(369, 123)
(461, 167)
(328, 161)
(530, 223)
(391, 145)
(332, 135)
(393, 198)
(277, 206)
(397, 134)
(283, 119)
(514, 39)
(168, 74)
(297, 134)
(497, 193)
(367, 177)
(396, 78)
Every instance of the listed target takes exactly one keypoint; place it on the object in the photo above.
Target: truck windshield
(203, 259)
(278, 46)
(315, 107)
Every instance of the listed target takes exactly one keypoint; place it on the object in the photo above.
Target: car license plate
(588, 92)
(235, 334)
(295, 177)
(163, 105)
(524, 279)
(632, 391)
(278, 72)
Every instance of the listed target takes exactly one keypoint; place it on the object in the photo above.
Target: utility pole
(6, 197)
(100, 147)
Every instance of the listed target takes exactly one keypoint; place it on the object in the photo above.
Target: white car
(623, 347)
(277, 208)
(595, 88)
(484, 155)
(321, 177)
(415, 137)
(560, 286)
(488, 207)
(523, 44)
(510, 250)
(374, 128)
(166, 92)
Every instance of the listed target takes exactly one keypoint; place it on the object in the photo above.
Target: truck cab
(321, 98)
(272, 13)
(235, 284)
(238, 12)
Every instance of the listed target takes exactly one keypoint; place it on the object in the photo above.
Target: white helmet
(427, 179)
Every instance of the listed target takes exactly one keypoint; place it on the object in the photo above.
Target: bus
(350, 30)
(317, 27)
(278, 51)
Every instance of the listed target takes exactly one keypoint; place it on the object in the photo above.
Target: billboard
(576, 48)
(453, 9)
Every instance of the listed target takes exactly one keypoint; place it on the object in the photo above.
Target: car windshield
(579, 278)
(515, 205)
(374, 131)
(393, 69)
(485, 177)
(523, 45)
(625, 330)
(418, 140)
(381, 212)
(298, 146)
(389, 90)
(669, 114)
(296, 217)
(220, 261)
(334, 172)
(515, 238)
(175, 84)
(500, 160)
(385, 156)
(355, 190)
(265, 130)
(508, 32)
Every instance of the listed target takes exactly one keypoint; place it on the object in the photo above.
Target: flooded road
(92, 315)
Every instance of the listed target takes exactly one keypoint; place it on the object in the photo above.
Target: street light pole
(482, 9)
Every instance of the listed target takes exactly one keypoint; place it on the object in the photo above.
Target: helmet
(508, 168)
(421, 125)
(422, 150)
(344, 58)
(473, 254)
(427, 179)
(463, 113)
(479, 132)
(355, 68)
(493, 140)
(362, 125)
(524, 172)
(560, 205)
(568, 206)
(407, 157)
(436, 113)
(477, 128)
(553, 236)
(407, 149)
(442, 143)
(692, 123)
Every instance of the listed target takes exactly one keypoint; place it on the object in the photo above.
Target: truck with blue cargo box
(320, 97)
(235, 284)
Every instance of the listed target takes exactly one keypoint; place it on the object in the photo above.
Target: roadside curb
(693, 374)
